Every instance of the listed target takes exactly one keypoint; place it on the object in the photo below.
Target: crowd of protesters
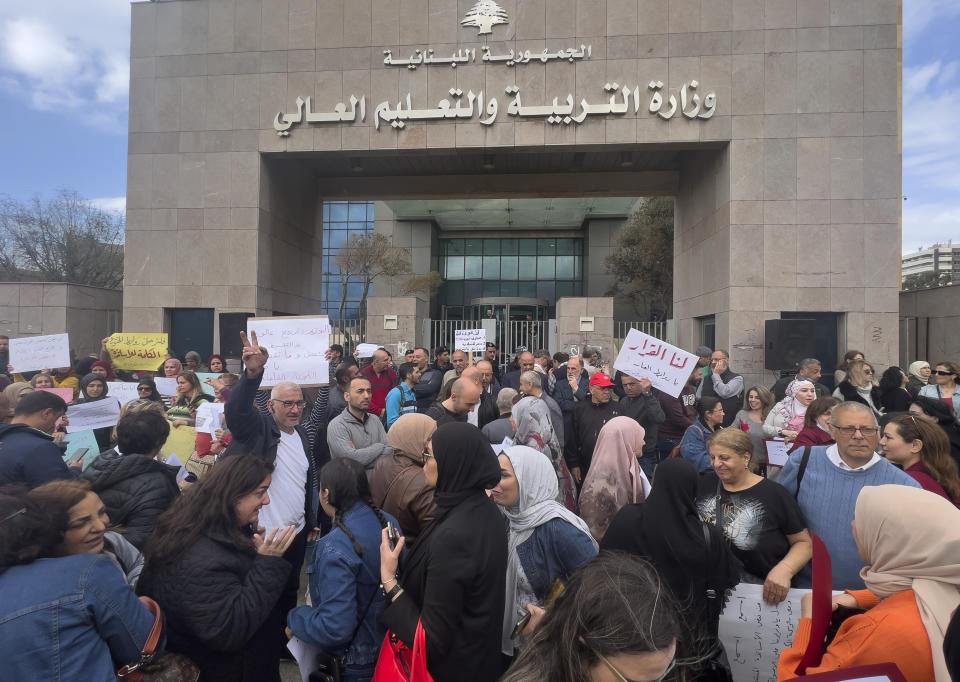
(543, 519)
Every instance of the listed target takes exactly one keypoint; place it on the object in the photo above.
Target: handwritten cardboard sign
(366, 350)
(754, 632)
(166, 385)
(81, 440)
(40, 352)
(470, 340)
(778, 452)
(646, 357)
(93, 415)
(297, 348)
(136, 350)
(65, 393)
(209, 417)
(124, 391)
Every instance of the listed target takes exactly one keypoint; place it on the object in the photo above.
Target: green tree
(927, 280)
(642, 262)
(63, 239)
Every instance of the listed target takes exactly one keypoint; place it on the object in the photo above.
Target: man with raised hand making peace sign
(279, 439)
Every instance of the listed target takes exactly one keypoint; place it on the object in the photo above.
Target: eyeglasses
(287, 404)
(868, 371)
(620, 676)
(942, 373)
(865, 431)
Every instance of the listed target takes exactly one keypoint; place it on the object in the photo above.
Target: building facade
(939, 258)
(504, 143)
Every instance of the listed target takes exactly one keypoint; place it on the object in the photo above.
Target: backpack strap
(803, 467)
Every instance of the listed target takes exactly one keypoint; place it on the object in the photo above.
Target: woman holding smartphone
(453, 579)
(344, 589)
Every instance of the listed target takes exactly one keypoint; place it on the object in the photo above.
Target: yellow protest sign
(136, 350)
(181, 442)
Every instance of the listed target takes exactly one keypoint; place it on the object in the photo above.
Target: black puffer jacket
(220, 606)
(136, 489)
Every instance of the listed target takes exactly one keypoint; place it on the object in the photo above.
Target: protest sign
(366, 350)
(137, 351)
(93, 415)
(65, 393)
(40, 352)
(778, 452)
(209, 417)
(204, 377)
(181, 442)
(297, 348)
(123, 391)
(754, 632)
(166, 385)
(470, 340)
(646, 357)
(82, 440)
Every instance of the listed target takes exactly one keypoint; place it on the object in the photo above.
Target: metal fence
(509, 335)
(622, 327)
(356, 328)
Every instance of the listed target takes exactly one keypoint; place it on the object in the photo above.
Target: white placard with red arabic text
(646, 357)
(297, 347)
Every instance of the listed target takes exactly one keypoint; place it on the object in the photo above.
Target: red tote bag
(397, 663)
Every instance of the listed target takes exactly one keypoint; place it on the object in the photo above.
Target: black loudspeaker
(231, 324)
(787, 342)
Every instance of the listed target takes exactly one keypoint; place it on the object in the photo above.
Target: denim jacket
(555, 550)
(693, 447)
(71, 618)
(341, 586)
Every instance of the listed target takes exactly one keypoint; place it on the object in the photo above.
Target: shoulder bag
(167, 667)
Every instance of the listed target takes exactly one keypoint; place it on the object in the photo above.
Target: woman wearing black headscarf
(93, 387)
(666, 531)
(453, 579)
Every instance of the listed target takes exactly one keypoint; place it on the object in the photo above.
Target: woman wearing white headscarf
(546, 542)
(785, 420)
(910, 540)
(918, 377)
(531, 420)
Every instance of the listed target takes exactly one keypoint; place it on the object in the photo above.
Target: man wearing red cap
(589, 416)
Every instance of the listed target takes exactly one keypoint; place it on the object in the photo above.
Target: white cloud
(928, 223)
(68, 57)
(918, 15)
(110, 204)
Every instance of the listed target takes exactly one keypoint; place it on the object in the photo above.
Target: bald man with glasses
(826, 480)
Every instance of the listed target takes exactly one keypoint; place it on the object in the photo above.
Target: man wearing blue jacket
(28, 454)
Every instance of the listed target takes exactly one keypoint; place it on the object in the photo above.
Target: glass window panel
(578, 268)
(358, 210)
(508, 268)
(546, 290)
(454, 247)
(473, 247)
(335, 239)
(473, 267)
(546, 246)
(527, 289)
(578, 288)
(491, 267)
(508, 247)
(565, 267)
(454, 267)
(528, 267)
(338, 210)
(472, 289)
(354, 291)
(491, 288)
(371, 211)
(564, 289)
(546, 267)
(508, 288)
(491, 247)
(528, 247)
(566, 247)
(337, 225)
(578, 246)
(454, 293)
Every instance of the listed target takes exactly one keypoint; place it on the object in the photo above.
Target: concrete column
(569, 313)
(410, 312)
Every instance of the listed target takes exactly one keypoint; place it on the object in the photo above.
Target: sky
(64, 80)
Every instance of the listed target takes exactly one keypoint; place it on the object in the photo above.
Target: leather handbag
(167, 667)
(399, 663)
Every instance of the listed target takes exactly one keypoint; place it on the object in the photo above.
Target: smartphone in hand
(393, 537)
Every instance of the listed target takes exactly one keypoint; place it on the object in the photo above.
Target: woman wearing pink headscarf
(614, 478)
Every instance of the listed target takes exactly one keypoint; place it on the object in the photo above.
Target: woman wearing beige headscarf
(398, 484)
(614, 478)
(910, 540)
(15, 391)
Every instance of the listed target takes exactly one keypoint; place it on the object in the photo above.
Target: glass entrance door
(519, 322)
